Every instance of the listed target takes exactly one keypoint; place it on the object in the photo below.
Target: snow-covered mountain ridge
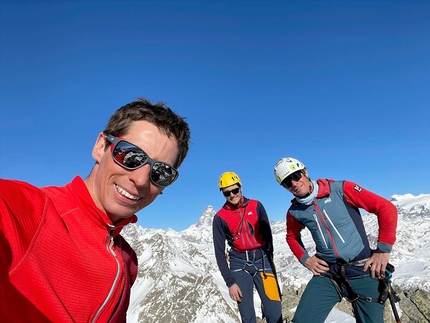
(179, 281)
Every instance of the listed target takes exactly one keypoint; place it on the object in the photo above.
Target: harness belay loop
(385, 289)
(250, 263)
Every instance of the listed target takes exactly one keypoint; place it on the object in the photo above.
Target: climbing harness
(250, 263)
(385, 288)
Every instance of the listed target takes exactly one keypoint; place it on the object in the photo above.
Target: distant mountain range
(179, 280)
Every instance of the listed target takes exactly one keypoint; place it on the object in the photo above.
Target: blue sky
(341, 85)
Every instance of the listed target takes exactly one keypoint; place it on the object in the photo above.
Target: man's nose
(141, 176)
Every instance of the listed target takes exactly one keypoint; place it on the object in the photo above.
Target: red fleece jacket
(61, 259)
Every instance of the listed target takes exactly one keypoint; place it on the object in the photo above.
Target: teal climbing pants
(320, 296)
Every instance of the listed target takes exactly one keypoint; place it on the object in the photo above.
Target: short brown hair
(156, 113)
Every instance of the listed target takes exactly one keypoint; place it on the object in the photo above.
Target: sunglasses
(234, 191)
(131, 157)
(288, 181)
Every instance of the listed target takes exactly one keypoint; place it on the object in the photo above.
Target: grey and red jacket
(61, 258)
(246, 227)
(335, 222)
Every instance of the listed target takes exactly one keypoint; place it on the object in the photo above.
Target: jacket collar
(243, 203)
(323, 189)
(81, 192)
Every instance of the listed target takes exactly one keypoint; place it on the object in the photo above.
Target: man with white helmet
(244, 224)
(344, 265)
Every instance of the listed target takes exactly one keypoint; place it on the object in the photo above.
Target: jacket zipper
(334, 227)
(109, 248)
(326, 227)
(244, 231)
(246, 236)
(319, 229)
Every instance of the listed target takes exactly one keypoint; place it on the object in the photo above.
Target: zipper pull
(316, 221)
(109, 239)
(111, 229)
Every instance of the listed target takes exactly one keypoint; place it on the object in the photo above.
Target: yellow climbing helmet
(228, 179)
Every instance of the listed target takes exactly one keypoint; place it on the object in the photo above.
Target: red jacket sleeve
(21, 210)
(381, 207)
(294, 240)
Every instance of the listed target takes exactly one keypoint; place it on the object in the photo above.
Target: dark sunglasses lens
(163, 174)
(234, 191)
(296, 176)
(128, 155)
(285, 183)
(288, 181)
(132, 157)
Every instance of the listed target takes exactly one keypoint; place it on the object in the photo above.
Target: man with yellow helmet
(244, 224)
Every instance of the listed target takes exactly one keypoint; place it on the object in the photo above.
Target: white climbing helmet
(285, 167)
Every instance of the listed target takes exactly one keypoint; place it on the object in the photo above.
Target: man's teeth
(126, 194)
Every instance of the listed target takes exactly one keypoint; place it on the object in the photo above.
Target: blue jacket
(335, 222)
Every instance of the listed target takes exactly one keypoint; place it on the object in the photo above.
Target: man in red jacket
(62, 258)
(244, 224)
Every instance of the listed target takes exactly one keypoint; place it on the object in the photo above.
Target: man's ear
(99, 147)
